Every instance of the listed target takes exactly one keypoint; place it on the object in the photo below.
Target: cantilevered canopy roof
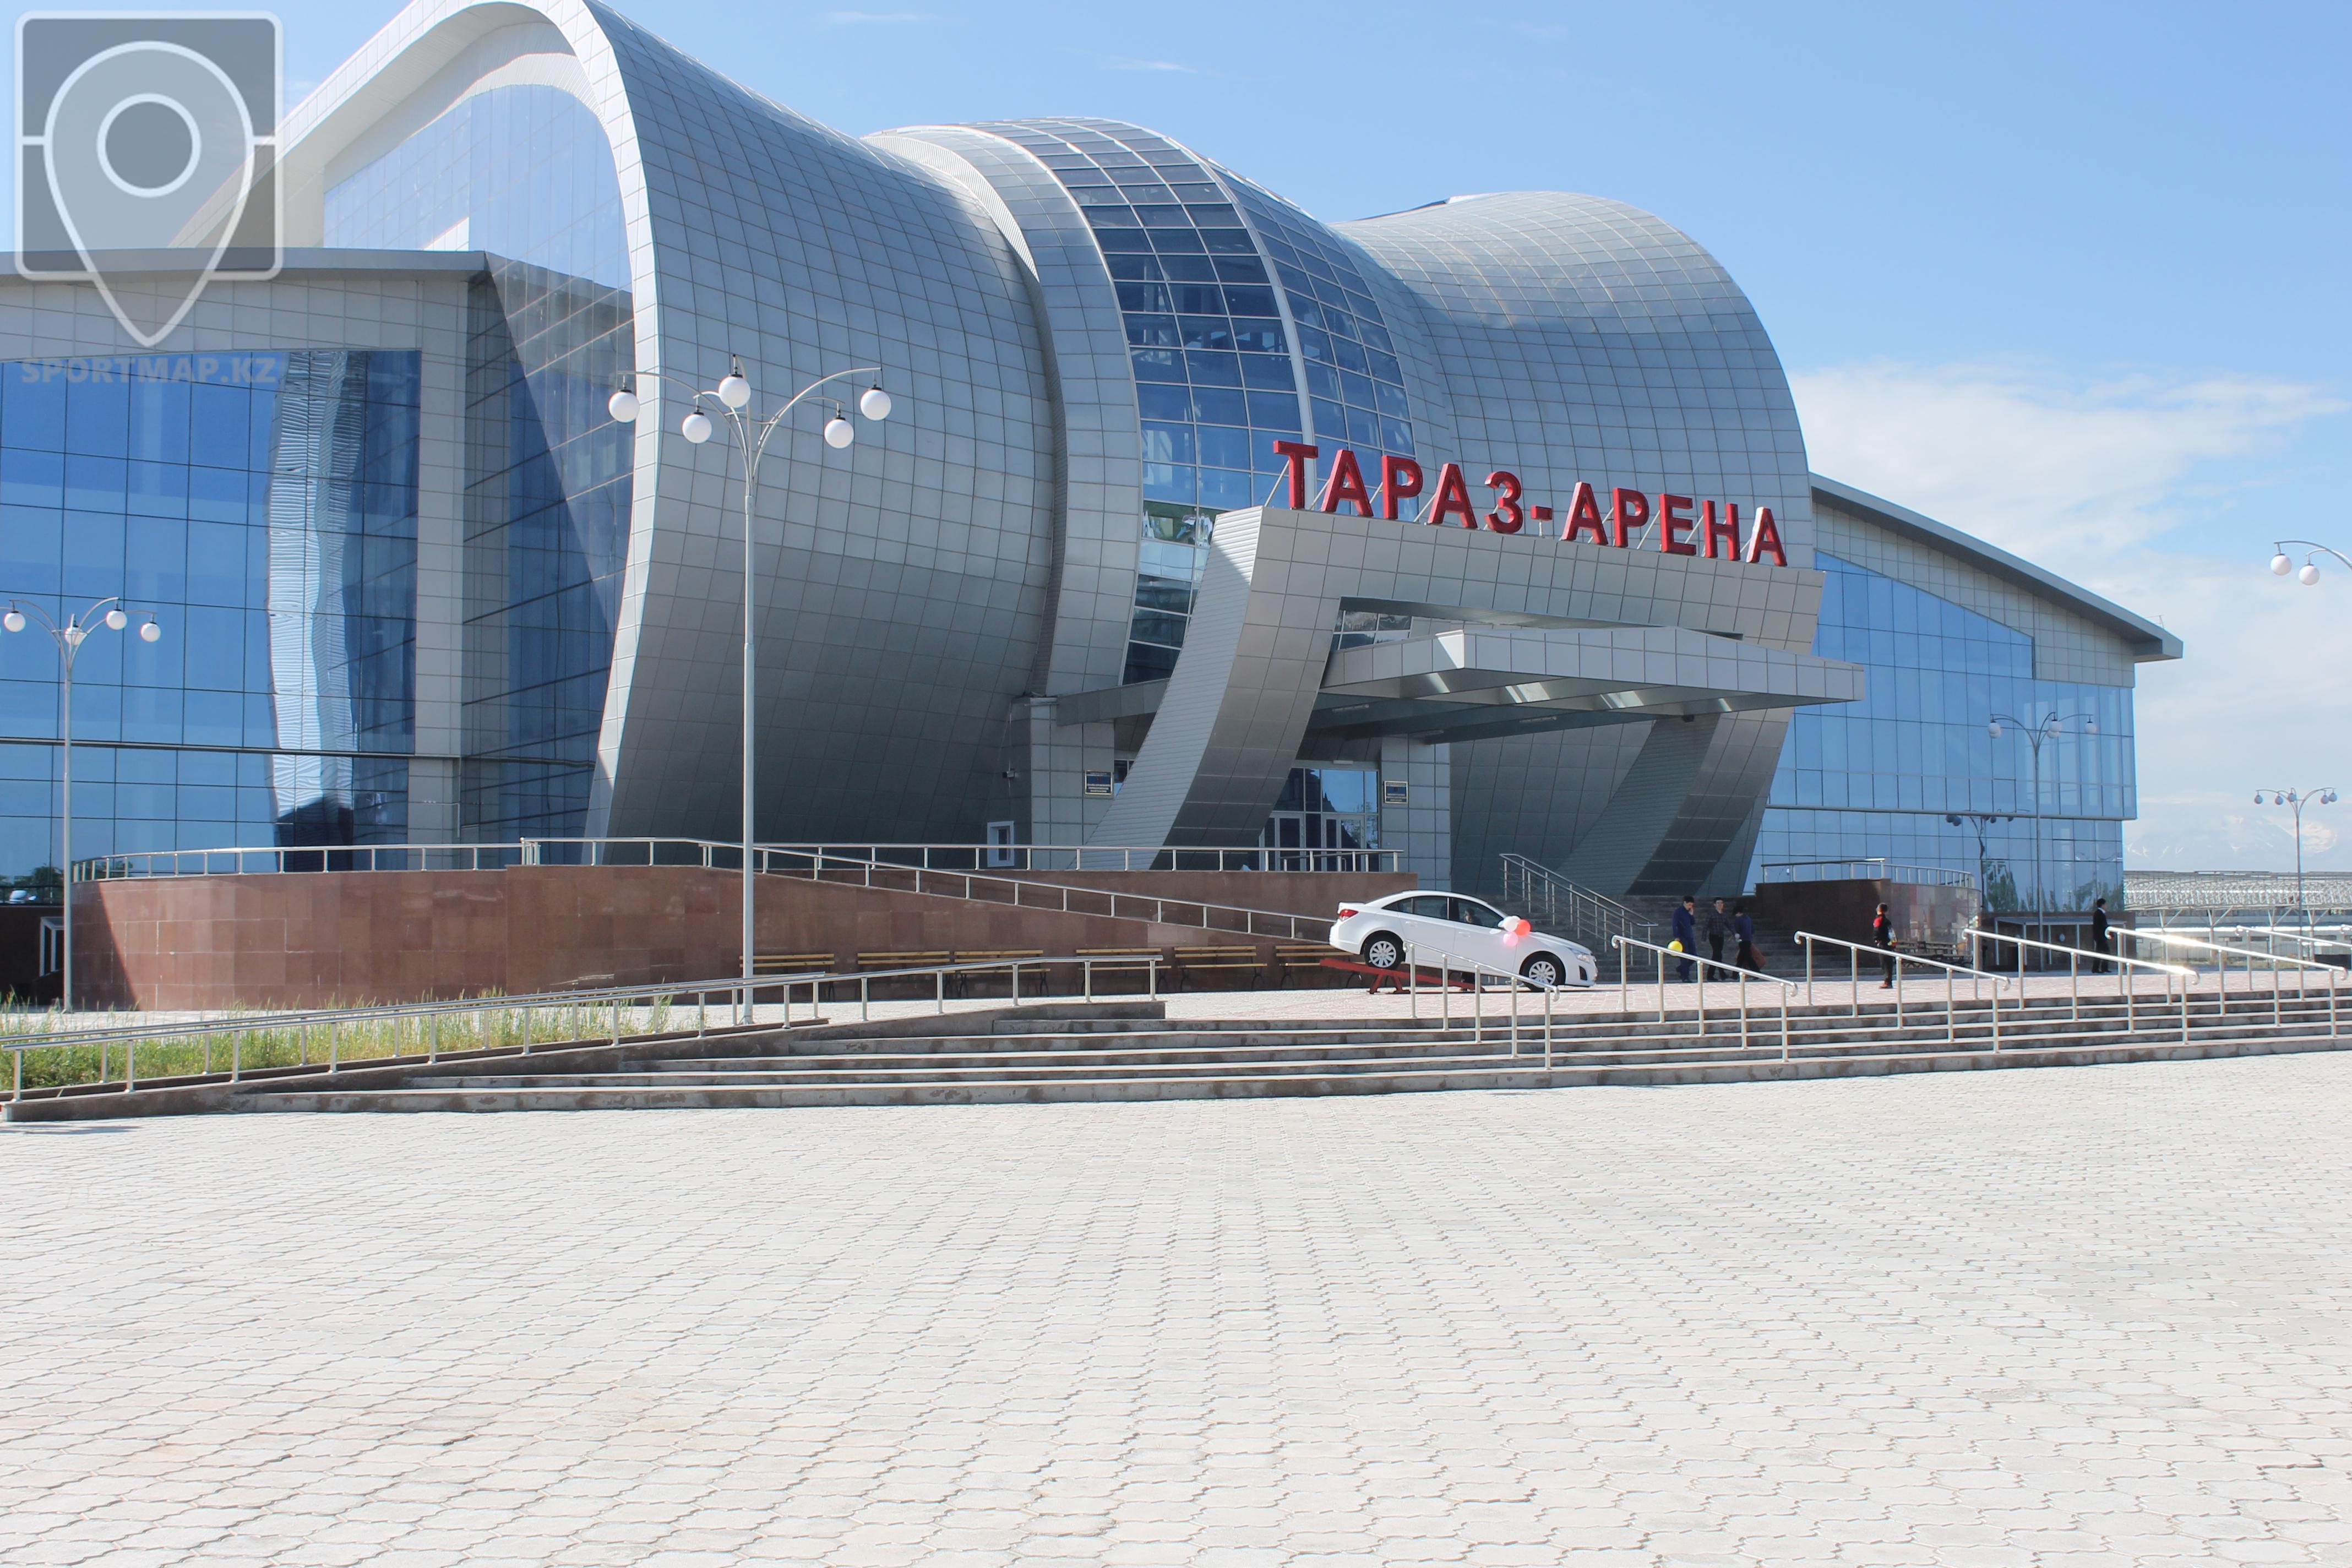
(2149, 642)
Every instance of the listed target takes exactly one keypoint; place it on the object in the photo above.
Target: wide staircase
(1130, 1050)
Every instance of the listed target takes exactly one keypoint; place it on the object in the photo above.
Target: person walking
(1882, 937)
(1685, 936)
(1718, 931)
(2099, 935)
(1743, 926)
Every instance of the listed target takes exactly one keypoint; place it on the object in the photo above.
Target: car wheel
(1384, 951)
(1544, 970)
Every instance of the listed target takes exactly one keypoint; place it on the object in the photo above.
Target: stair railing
(1027, 893)
(2074, 956)
(1590, 916)
(1952, 973)
(1624, 945)
(2303, 967)
(1449, 964)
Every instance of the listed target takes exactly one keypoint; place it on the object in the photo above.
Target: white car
(1447, 924)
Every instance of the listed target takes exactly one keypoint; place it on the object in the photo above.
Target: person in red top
(1882, 937)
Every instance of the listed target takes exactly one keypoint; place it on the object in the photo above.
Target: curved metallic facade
(1050, 597)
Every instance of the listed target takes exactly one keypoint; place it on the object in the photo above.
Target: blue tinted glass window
(1912, 773)
(260, 507)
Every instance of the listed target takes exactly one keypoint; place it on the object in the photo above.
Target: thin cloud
(2034, 462)
(1122, 63)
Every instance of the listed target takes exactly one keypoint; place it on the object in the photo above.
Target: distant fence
(2234, 890)
(1875, 870)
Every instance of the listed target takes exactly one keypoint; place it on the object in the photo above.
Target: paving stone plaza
(2062, 1318)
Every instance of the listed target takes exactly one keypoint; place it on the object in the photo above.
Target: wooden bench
(1192, 961)
(1301, 957)
(791, 962)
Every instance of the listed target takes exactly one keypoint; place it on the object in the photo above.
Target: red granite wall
(310, 939)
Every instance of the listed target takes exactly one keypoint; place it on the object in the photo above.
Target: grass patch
(231, 1042)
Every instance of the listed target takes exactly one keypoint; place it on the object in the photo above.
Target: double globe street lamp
(730, 400)
(2049, 727)
(75, 630)
(2297, 799)
(2307, 573)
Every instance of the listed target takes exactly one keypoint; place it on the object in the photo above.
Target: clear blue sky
(2071, 276)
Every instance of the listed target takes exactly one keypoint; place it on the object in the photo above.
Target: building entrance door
(1324, 820)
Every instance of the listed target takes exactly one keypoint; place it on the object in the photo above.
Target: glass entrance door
(1325, 821)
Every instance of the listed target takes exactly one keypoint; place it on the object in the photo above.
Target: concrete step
(1451, 1075)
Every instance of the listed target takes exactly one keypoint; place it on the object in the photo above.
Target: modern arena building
(1483, 527)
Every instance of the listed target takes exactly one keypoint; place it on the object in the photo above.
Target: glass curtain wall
(526, 174)
(1911, 772)
(1216, 379)
(262, 507)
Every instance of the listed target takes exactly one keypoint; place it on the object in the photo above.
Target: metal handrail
(1450, 962)
(1000, 856)
(1788, 987)
(1121, 904)
(2301, 966)
(2076, 955)
(739, 994)
(712, 853)
(150, 863)
(1854, 950)
(1590, 914)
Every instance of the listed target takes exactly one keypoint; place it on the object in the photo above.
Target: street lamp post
(2049, 727)
(69, 636)
(2325, 796)
(730, 398)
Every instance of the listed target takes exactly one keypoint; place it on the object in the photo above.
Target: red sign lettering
(1400, 480)
(1628, 510)
(1584, 515)
(1717, 525)
(1507, 517)
(1726, 532)
(1346, 484)
(1453, 499)
(1674, 517)
(1295, 459)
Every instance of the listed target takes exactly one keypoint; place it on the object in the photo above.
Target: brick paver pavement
(2069, 1318)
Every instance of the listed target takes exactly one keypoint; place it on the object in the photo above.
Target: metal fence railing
(1875, 868)
(1063, 897)
(2248, 891)
(719, 855)
(518, 1025)
(236, 861)
(1560, 906)
(1709, 969)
